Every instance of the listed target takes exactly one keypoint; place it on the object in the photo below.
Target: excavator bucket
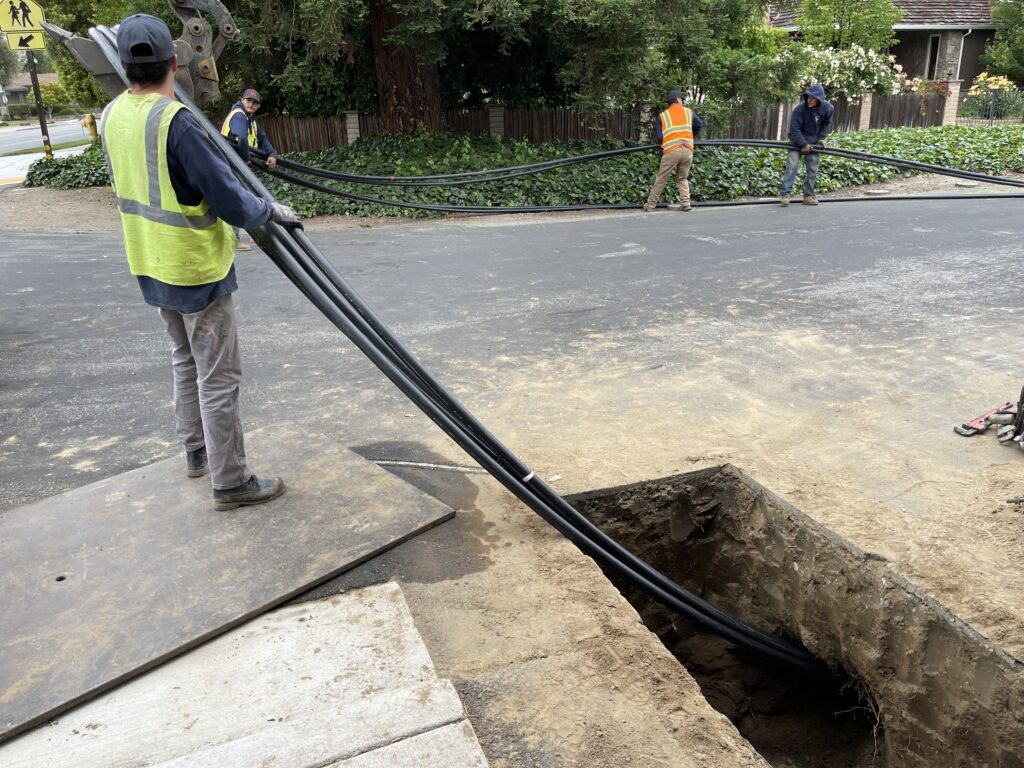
(197, 49)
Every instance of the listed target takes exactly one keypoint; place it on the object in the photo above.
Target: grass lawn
(33, 150)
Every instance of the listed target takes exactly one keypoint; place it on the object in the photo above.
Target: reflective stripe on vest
(163, 239)
(226, 128)
(676, 128)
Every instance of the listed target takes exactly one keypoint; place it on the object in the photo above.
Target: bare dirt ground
(864, 467)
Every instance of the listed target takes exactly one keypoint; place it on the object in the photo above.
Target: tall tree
(408, 59)
(1005, 54)
(842, 23)
(407, 85)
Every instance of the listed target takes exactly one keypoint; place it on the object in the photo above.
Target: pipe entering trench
(916, 686)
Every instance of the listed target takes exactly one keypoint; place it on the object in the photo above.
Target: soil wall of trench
(944, 695)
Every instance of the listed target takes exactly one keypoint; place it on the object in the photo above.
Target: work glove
(805, 148)
(284, 215)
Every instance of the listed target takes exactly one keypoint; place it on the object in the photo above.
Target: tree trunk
(410, 90)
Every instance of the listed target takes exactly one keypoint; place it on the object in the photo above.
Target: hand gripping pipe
(301, 262)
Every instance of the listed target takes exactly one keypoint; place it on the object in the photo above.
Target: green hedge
(87, 169)
(22, 110)
(717, 174)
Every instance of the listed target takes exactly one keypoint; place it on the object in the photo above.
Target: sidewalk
(13, 168)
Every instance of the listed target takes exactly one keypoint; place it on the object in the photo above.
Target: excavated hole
(917, 686)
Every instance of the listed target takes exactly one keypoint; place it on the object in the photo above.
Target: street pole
(39, 105)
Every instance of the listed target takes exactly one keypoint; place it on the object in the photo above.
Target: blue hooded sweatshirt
(809, 126)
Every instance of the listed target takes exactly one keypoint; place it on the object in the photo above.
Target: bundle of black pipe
(511, 172)
(296, 255)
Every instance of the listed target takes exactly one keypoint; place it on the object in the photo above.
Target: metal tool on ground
(979, 424)
(1009, 417)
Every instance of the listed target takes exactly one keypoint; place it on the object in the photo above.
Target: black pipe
(503, 209)
(288, 252)
(419, 181)
(502, 174)
(415, 371)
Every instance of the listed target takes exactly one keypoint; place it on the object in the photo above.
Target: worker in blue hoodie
(242, 133)
(810, 124)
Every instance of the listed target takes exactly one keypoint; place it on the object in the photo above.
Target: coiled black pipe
(295, 254)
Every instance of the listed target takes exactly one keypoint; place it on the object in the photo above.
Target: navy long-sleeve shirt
(198, 172)
(238, 135)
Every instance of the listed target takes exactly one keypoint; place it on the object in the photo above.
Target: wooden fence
(538, 125)
(289, 134)
(907, 110)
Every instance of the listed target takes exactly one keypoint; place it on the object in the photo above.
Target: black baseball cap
(252, 93)
(144, 39)
(673, 95)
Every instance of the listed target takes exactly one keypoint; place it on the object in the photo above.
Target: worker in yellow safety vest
(677, 128)
(177, 196)
(243, 133)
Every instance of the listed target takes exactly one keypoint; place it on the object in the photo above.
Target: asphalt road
(84, 376)
(27, 135)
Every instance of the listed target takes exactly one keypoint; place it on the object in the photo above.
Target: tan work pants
(678, 160)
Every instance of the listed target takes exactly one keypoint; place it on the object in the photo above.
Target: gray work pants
(207, 371)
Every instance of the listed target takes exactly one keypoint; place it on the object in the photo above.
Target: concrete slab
(105, 582)
(453, 746)
(344, 681)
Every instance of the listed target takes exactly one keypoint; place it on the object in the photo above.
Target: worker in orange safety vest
(676, 130)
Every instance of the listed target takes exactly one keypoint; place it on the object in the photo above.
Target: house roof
(916, 14)
(23, 82)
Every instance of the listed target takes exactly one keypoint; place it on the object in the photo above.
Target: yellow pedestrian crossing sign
(24, 16)
(25, 41)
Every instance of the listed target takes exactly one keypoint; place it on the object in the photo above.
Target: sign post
(21, 22)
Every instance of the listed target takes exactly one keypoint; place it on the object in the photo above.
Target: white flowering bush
(849, 72)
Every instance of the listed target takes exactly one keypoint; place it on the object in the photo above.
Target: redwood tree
(408, 87)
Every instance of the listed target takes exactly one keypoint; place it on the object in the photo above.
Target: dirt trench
(916, 687)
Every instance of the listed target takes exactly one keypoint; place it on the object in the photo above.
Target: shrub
(22, 110)
(86, 169)
(717, 173)
(849, 72)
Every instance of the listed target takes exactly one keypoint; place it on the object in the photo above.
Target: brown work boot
(252, 491)
(686, 208)
(784, 201)
(812, 200)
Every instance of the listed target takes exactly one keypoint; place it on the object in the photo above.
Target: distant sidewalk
(14, 168)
